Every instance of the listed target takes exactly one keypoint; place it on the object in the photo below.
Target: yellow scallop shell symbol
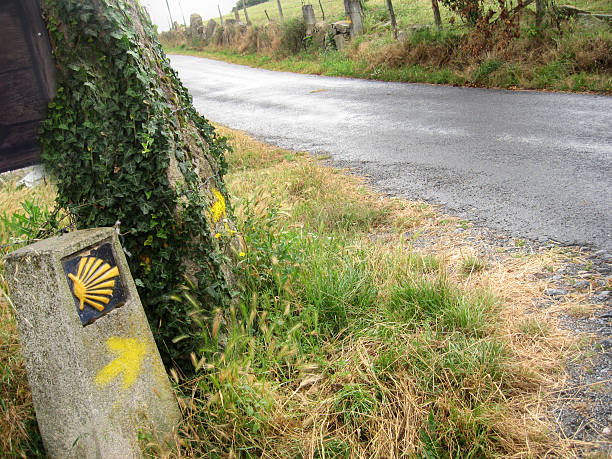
(93, 283)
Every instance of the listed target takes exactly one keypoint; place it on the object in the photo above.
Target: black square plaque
(95, 282)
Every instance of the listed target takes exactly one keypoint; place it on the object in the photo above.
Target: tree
(125, 144)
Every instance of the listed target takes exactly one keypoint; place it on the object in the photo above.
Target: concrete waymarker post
(309, 18)
(353, 11)
(93, 367)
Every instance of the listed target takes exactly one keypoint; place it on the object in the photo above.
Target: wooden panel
(15, 54)
(21, 96)
(27, 81)
(42, 59)
(18, 146)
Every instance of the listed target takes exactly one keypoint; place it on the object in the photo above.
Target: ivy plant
(125, 144)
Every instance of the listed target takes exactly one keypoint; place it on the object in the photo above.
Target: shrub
(469, 10)
(293, 33)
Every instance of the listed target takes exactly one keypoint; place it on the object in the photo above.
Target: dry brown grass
(17, 421)
(305, 418)
(311, 414)
(16, 411)
(238, 38)
(435, 54)
(11, 196)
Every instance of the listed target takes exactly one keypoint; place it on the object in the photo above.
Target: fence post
(246, 15)
(236, 14)
(266, 11)
(436, 12)
(182, 14)
(309, 18)
(170, 14)
(220, 15)
(322, 12)
(353, 13)
(280, 10)
(392, 16)
(539, 12)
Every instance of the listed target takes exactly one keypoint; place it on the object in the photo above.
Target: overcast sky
(184, 8)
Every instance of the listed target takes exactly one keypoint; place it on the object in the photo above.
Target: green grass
(438, 301)
(337, 341)
(572, 57)
(471, 265)
(344, 340)
(558, 75)
(19, 208)
(331, 64)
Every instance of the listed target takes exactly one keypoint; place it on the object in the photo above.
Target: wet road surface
(530, 164)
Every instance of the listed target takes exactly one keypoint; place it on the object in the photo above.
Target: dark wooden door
(27, 81)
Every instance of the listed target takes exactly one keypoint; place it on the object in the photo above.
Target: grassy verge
(21, 212)
(564, 54)
(369, 327)
(366, 327)
(417, 62)
(332, 63)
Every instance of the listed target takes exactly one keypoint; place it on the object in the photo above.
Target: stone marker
(93, 367)
(211, 28)
(309, 18)
(353, 11)
(196, 26)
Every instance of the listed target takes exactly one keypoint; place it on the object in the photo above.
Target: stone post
(196, 26)
(436, 11)
(353, 14)
(211, 28)
(540, 7)
(93, 368)
(392, 18)
(246, 15)
(309, 18)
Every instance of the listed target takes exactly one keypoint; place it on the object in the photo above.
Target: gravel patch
(583, 409)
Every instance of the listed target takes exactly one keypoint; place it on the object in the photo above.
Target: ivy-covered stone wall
(124, 143)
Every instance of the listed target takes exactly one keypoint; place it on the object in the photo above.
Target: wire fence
(374, 12)
(325, 10)
(408, 14)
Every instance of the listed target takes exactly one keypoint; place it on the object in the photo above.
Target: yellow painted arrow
(131, 352)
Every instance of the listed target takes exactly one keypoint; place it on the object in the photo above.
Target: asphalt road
(531, 164)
